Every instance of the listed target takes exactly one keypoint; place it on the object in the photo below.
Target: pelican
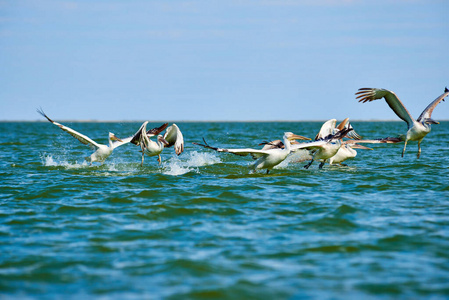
(327, 143)
(265, 159)
(418, 129)
(345, 151)
(102, 151)
(172, 137)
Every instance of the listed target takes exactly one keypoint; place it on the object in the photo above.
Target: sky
(233, 60)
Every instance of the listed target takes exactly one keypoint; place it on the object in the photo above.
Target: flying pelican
(265, 159)
(418, 129)
(102, 151)
(172, 137)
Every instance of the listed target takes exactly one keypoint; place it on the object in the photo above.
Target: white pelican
(172, 137)
(418, 129)
(102, 151)
(265, 159)
(326, 145)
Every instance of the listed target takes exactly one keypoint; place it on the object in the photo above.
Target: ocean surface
(199, 226)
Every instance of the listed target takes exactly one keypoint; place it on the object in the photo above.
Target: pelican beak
(431, 121)
(357, 146)
(298, 137)
(164, 141)
(114, 138)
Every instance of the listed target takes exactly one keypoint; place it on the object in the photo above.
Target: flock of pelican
(328, 145)
(142, 138)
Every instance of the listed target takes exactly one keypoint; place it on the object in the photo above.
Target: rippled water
(200, 227)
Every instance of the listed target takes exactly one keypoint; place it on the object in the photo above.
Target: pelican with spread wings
(102, 151)
(265, 159)
(417, 129)
(172, 137)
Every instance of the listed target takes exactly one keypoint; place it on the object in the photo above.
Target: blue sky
(220, 60)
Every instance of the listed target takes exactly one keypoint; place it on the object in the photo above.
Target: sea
(202, 226)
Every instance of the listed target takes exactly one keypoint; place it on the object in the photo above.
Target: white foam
(174, 165)
(185, 163)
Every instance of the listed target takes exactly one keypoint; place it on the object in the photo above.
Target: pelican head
(291, 136)
(112, 137)
(430, 121)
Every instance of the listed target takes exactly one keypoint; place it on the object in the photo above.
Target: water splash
(49, 161)
(180, 165)
(294, 158)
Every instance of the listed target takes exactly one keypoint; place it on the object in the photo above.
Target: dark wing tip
(446, 90)
(157, 130)
(41, 111)
(136, 138)
(206, 145)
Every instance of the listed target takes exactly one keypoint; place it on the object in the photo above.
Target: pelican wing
(137, 137)
(346, 125)
(352, 134)
(79, 136)
(155, 131)
(326, 129)
(174, 138)
(387, 140)
(124, 141)
(427, 113)
(370, 94)
(242, 152)
(255, 153)
(277, 144)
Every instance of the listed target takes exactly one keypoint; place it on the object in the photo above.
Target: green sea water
(199, 226)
